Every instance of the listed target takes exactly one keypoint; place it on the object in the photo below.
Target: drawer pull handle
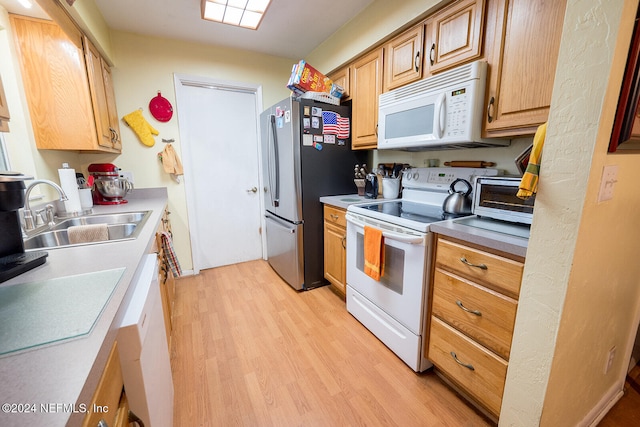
(480, 266)
(466, 365)
(334, 217)
(476, 312)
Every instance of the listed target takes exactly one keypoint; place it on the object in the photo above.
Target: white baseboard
(602, 408)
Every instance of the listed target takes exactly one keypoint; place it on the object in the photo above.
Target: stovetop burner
(412, 211)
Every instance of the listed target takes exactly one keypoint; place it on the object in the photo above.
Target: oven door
(400, 293)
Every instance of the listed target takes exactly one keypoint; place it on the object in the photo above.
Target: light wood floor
(248, 350)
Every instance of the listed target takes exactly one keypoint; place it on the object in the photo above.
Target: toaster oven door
(497, 198)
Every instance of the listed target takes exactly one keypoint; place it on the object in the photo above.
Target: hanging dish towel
(141, 127)
(529, 182)
(170, 161)
(373, 252)
(170, 254)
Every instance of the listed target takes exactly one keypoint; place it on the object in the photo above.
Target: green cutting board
(39, 313)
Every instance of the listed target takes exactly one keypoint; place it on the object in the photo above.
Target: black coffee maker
(13, 259)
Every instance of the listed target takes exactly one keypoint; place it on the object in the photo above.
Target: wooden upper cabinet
(366, 87)
(522, 65)
(4, 110)
(103, 100)
(403, 58)
(454, 35)
(56, 83)
(341, 77)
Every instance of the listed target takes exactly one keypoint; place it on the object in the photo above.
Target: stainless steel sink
(121, 226)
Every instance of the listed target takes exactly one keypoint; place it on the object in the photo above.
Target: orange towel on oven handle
(373, 252)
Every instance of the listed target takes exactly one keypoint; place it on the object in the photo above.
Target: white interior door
(220, 146)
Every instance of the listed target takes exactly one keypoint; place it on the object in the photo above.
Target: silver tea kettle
(458, 202)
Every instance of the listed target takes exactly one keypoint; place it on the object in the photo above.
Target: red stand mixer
(108, 187)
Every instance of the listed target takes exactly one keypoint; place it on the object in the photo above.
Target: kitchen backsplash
(504, 157)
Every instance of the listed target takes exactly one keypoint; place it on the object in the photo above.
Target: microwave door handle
(440, 115)
(404, 238)
(275, 202)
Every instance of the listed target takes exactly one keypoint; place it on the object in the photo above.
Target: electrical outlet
(608, 182)
(612, 355)
(127, 175)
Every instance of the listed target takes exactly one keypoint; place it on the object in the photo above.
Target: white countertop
(61, 376)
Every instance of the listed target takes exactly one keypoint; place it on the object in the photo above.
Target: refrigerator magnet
(306, 122)
(317, 146)
(287, 116)
(278, 112)
(316, 111)
(329, 139)
(279, 122)
(317, 138)
(306, 111)
(315, 122)
(307, 140)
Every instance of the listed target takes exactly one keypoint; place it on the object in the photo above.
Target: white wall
(144, 66)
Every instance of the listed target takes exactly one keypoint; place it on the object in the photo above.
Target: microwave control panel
(457, 112)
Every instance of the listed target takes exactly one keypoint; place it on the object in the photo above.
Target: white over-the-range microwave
(442, 111)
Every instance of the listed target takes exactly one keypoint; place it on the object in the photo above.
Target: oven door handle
(404, 238)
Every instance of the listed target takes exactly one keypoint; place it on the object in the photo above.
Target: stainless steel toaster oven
(495, 197)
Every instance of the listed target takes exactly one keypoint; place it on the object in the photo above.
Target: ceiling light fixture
(242, 13)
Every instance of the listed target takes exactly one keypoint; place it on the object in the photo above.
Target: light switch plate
(608, 182)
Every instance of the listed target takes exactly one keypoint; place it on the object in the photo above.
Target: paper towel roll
(70, 186)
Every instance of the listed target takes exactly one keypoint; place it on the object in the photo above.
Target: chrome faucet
(28, 215)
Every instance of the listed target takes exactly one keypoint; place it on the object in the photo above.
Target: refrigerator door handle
(276, 162)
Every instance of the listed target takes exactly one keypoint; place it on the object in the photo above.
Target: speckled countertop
(67, 372)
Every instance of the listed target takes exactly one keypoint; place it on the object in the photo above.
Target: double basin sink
(121, 226)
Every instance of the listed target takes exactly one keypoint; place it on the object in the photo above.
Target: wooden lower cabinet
(335, 248)
(109, 403)
(473, 304)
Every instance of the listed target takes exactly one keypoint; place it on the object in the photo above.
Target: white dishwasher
(144, 354)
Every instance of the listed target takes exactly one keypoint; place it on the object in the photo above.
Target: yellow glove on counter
(141, 127)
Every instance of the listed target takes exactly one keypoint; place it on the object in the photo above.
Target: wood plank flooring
(248, 350)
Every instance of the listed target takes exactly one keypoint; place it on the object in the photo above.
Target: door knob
(253, 190)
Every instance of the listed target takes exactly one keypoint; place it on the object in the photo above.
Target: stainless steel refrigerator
(306, 154)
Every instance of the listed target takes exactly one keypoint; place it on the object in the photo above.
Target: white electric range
(393, 308)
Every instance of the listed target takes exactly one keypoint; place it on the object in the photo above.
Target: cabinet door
(114, 125)
(55, 81)
(335, 254)
(525, 49)
(403, 58)
(98, 94)
(454, 35)
(366, 87)
(341, 77)
(4, 110)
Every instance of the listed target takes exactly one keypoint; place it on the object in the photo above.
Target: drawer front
(485, 382)
(480, 313)
(335, 216)
(496, 272)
